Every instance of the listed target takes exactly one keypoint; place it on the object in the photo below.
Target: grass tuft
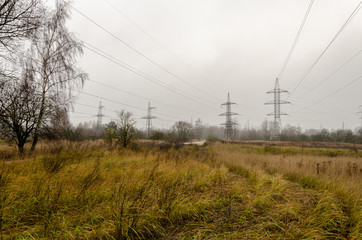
(221, 191)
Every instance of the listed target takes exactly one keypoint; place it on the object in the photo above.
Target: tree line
(123, 131)
(38, 74)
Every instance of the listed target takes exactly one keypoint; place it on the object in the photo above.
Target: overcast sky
(201, 50)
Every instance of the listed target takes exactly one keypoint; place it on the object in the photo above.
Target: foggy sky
(220, 47)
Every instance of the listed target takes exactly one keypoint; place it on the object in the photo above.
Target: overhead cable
(296, 39)
(349, 19)
(140, 53)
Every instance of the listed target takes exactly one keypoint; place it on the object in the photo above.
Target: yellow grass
(90, 191)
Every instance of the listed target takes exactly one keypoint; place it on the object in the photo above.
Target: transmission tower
(149, 118)
(360, 112)
(277, 102)
(229, 122)
(99, 115)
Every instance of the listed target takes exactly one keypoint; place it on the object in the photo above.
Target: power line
(128, 105)
(157, 42)
(149, 118)
(136, 95)
(90, 114)
(327, 119)
(145, 76)
(107, 99)
(128, 67)
(331, 94)
(140, 53)
(349, 19)
(105, 109)
(277, 102)
(229, 123)
(325, 105)
(360, 112)
(330, 75)
(99, 115)
(296, 39)
(117, 102)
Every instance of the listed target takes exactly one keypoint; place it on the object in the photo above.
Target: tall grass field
(89, 190)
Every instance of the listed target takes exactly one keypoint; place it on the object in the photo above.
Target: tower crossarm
(269, 103)
(228, 114)
(277, 91)
(284, 102)
(149, 118)
(99, 115)
(229, 123)
(227, 103)
(276, 102)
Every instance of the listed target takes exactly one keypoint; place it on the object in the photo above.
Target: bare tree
(183, 130)
(18, 19)
(123, 131)
(53, 60)
(126, 131)
(265, 129)
(198, 129)
(19, 106)
(111, 132)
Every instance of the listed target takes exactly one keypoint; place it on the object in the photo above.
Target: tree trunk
(21, 144)
(35, 141)
(42, 108)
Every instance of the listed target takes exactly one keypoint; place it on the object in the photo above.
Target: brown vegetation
(87, 190)
(331, 145)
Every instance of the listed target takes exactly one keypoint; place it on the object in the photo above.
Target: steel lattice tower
(229, 122)
(149, 118)
(99, 115)
(277, 102)
(360, 112)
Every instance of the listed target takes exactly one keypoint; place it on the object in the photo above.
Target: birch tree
(19, 106)
(18, 20)
(53, 59)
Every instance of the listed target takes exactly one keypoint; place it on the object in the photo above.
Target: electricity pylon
(360, 112)
(277, 102)
(99, 115)
(149, 118)
(229, 122)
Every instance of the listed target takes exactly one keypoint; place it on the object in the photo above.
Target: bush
(272, 149)
(211, 138)
(157, 135)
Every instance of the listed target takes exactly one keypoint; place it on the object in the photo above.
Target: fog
(204, 49)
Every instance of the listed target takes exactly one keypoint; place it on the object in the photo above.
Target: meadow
(89, 190)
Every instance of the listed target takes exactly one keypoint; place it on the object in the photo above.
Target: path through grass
(163, 192)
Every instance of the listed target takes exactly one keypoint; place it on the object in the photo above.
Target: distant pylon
(276, 102)
(229, 122)
(99, 115)
(149, 118)
(360, 112)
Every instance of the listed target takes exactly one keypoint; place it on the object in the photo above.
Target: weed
(83, 190)
(305, 181)
(89, 180)
(54, 163)
(352, 169)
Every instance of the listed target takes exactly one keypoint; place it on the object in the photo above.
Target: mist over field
(180, 119)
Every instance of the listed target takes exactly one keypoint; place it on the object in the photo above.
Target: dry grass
(335, 172)
(333, 163)
(222, 191)
(325, 145)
